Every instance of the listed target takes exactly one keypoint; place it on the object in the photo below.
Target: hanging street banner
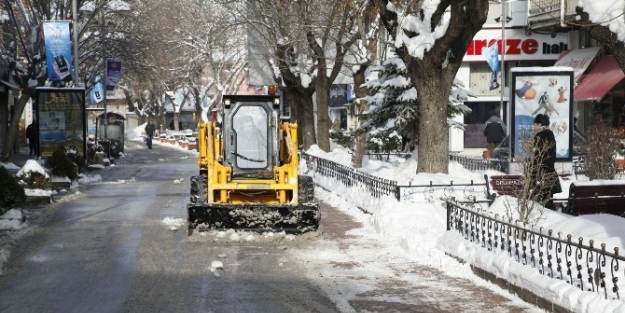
(58, 47)
(96, 95)
(113, 75)
(491, 54)
(61, 119)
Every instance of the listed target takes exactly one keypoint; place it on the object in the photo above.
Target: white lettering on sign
(508, 182)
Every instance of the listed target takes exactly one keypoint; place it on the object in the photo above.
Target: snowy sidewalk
(365, 276)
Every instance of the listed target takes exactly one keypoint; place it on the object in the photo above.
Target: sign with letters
(517, 46)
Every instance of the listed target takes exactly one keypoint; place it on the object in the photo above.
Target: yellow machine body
(260, 192)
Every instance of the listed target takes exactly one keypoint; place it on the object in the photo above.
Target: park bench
(594, 197)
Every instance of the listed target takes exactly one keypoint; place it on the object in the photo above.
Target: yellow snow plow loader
(248, 178)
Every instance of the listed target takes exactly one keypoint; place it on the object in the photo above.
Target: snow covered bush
(383, 141)
(36, 180)
(12, 193)
(78, 159)
(60, 164)
(344, 138)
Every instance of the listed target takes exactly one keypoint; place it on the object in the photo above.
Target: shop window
(480, 78)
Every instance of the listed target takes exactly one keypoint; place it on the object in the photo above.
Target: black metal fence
(473, 163)
(379, 187)
(585, 266)
(469, 192)
(350, 177)
(386, 156)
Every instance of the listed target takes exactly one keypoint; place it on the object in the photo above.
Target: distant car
(501, 151)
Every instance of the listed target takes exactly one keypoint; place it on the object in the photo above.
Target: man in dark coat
(544, 179)
(495, 132)
(149, 131)
(31, 134)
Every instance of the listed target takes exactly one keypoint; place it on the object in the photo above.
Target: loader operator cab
(250, 128)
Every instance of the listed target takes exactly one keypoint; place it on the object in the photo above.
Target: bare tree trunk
(15, 120)
(301, 106)
(434, 134)
(177, 120)
(362, 105)
(129, 100)
(322, 94)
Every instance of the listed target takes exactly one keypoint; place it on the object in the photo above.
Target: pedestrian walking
(31, 135)
(544, 180)
(495, 132)
(149, 131)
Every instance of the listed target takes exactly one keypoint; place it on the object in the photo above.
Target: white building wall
(456, 136)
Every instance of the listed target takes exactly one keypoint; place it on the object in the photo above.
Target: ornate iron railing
(588, 267)
(473, 163)
(469, 192)
(385, 156)
(378, 187)
(351, 177)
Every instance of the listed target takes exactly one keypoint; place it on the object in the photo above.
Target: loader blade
(291, 218)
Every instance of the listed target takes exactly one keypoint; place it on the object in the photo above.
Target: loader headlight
(276, 101)
(227, 102)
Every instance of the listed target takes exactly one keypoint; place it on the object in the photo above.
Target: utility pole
(76, 77)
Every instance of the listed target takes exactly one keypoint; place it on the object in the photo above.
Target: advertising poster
(58, 46)
(113, 75)
(542, 90)
(61, 119)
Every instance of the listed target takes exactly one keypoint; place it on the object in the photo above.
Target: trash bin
(106, 146)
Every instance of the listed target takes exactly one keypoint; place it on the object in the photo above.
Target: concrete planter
(192, 146)
(183, 144)
(171, 141)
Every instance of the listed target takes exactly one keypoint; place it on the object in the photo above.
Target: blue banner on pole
(58, 47)
(96, 94)
(491, 54)
(113, 75)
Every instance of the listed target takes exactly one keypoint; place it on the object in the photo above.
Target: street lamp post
(503, 52)
(75, 39)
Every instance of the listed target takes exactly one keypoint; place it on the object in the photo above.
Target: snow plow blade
(291, 218)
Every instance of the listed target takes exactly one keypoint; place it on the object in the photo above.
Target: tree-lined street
(120, 244)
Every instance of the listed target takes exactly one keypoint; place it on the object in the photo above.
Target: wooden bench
(596, 197)
(592, 197)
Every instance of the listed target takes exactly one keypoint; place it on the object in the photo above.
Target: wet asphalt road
(104, 248)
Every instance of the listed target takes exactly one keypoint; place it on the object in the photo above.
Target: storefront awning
(602, 77)
(578, 59)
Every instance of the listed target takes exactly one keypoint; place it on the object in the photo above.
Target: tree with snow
(431, 38)
(394, 101)
(305, 43)
(603, 21)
